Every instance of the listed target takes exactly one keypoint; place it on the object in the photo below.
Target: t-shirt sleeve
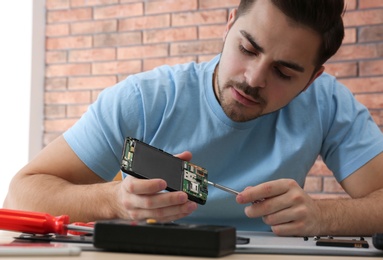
(97, 137)
(352, 138)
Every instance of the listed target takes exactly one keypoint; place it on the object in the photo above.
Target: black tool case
(164, 238)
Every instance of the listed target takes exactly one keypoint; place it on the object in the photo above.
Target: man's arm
(363, 214)
(46, 185)
(58, 182)
(291, 212)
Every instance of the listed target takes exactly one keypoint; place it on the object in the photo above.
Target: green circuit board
(195, 180)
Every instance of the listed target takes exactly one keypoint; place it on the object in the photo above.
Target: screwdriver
(37, 223)
(224, 188)
(221, 187)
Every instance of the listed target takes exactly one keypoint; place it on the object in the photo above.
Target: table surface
(7, 237)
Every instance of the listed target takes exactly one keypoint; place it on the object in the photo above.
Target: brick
(57, 4)
(54, 111)
(122, 76)
(374, 101)
(76, 110)
(55, 84)
(377, 115)
(209, 4)
(203, 58)
(170, 6)
(319, 168)
(370, 4)
(371, 68)
(200, 18)
(52, 30)
(343, 69)
(60, 70)
(350, 5)
(95, 94)
(56, 57)
(170, 35)
(99, 54)
(72, 97)
(330, 185)
(143, 51)
(117, 67)
(69, 42)
(153, 63)
(349, 35)
(83, 3)
(371, 34)
(70, 15)
(209, 32)
(117, 11)
(313, 184)
(93, 27)
(144, 22)
(354, 52)
(117, 39)
(89, 83)
(364, 85)
(360, 18)
(58, 125)
(201, 47)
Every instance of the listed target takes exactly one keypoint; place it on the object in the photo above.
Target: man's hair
(322, 16)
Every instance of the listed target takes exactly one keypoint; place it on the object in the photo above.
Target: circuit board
(148, 162)
(195, 180)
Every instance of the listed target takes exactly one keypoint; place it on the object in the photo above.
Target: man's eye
(245, 51)
(281, 74)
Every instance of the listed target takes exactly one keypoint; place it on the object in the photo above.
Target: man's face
(266, 61)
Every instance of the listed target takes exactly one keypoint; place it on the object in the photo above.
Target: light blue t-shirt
(175, 109)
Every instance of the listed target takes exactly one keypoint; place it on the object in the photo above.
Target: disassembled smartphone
(144, 161)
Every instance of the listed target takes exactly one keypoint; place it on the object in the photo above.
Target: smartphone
(144, 161)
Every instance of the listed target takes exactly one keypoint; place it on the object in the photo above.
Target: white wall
(21, 82)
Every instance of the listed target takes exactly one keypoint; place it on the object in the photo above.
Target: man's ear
(230, 22)
(314, 77)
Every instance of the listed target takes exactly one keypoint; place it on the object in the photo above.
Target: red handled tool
(39, 223)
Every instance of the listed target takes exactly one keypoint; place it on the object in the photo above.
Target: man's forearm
(354, 217)
(53, 195)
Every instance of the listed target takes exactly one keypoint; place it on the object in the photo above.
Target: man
(256, 117)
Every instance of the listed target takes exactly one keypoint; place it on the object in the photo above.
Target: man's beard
(233, 109)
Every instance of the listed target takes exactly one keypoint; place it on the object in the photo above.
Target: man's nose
(256, 74)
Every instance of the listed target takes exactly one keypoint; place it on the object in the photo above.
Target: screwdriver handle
(32, 222)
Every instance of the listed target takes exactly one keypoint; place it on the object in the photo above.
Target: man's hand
(141, 199)
(284, 206)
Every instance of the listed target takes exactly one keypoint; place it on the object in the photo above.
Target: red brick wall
(92, 44)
